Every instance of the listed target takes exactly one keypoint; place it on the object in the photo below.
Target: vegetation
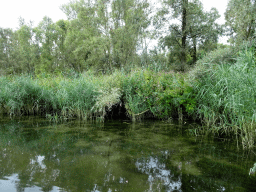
(160, 94)
(240, 20)
(98, 63)
(196, 30)
(226, 97)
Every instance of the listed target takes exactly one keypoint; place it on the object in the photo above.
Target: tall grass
(142, 92)
(226, 97)
(22, 95)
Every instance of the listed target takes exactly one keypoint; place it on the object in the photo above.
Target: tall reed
(226, 97)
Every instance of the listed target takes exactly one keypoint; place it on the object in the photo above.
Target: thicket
(107, 35)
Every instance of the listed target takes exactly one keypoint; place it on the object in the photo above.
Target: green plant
(226, 98)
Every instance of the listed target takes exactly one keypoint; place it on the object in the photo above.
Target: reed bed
(143, 93)
(226, 97)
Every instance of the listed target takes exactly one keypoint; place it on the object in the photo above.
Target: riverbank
(139, 94)
(220, 95)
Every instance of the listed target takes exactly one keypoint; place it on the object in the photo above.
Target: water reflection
(11, 184)
(158, 174)
(39, 160)
(116, 156)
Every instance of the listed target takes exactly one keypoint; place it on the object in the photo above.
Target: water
(36, 155)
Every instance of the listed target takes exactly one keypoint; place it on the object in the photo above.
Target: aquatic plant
(226, 98)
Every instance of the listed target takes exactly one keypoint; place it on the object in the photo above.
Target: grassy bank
(226, 96)
(142, 93)
(219, 93)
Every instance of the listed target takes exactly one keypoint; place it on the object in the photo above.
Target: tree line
(105, 35)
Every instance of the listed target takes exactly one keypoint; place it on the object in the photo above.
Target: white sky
(35, 10)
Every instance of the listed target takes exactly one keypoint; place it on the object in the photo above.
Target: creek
(75, 156)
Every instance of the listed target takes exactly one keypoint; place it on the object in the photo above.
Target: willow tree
(240, 18)
(45, 35)
(189, 27)
(104, 34)
(18, 50)
(203, 30)
(83, 35)
(177, 39)
(130, 19)
(7, 49)
(60, 56)
(27, 49)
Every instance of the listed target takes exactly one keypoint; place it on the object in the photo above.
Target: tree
(241, 20)
(178, 10)
(46, 37)
(191, 27)
(85, 44)
(130, 19)
(27, 49)
(7, 46)
(104, 34)
(18, 51)
(60, 61)
(203, 31)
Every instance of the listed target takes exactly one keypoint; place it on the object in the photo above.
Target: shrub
(162, 94)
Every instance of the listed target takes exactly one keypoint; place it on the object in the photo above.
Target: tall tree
(28, 50)
(85, 44)
(7, 47)
(45, 34)
(104, 34)
(61, 28)
(130, 19)
(203, 31)
(190, 28)
(18, 50)
(178, 10)
(240, 18)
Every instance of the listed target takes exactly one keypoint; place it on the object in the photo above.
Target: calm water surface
(36, 155)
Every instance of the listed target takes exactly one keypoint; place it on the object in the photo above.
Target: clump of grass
(22, 95)
(109, 93)
(105, 101)
(226, 97)
(83, 97)
(76, 98)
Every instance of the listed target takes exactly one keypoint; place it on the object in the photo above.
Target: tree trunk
(194, 51)
(184, 34)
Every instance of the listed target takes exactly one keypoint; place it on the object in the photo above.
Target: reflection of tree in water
(89, 159)
(158, 175)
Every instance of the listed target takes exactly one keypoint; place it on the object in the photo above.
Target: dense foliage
(98, 61)
(108, 35)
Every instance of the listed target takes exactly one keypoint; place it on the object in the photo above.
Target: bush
(161, 95)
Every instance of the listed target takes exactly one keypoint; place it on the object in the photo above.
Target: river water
(37, 155)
